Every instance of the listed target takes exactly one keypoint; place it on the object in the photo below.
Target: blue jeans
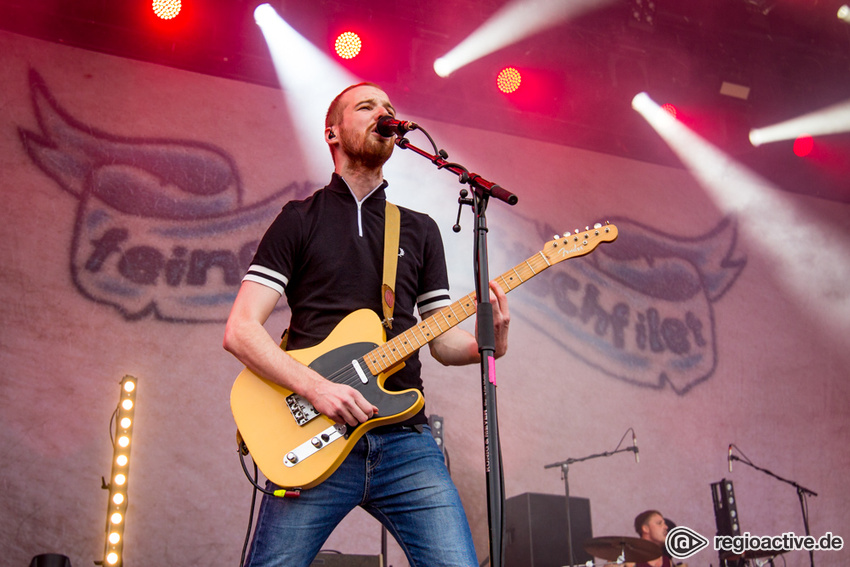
(400, 478)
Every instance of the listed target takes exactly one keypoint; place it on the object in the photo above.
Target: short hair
(643, 518)
(334, 112)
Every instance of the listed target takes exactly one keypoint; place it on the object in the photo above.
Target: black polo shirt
(326, 254)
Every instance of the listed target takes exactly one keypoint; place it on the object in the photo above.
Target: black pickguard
(388, 403)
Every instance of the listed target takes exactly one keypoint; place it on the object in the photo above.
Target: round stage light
(508, 80)
(347, 45)
(442, 67)
(803, 146)
(166, 9)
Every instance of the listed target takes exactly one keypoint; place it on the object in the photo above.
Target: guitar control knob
(325, 437)
(316, 442)
(292, 457)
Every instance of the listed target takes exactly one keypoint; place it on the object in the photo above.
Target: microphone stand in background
(802, 493)
(482, 190)
(565, 465)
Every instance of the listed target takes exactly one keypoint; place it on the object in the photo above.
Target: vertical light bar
(116, 511)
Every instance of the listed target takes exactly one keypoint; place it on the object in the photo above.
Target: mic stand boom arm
(565, 466)
(802, 493)
(482, 190)
(481, 185)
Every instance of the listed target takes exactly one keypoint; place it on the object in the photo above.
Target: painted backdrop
(134, 195)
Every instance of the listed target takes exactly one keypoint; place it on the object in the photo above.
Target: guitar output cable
(280, 493)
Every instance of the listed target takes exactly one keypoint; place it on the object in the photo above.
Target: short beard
(366, 151)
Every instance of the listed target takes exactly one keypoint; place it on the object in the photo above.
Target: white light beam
(811, 258)
(513, 22)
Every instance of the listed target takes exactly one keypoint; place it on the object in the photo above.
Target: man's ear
(330, 134)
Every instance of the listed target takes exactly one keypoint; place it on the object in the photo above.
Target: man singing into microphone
(325, 254)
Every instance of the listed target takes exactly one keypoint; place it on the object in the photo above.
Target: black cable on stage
(280, 493)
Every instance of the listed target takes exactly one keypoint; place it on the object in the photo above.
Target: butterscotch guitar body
(292, 446)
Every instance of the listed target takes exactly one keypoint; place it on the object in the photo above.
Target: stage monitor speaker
(342, 560)
(536, 530)
(50, 560)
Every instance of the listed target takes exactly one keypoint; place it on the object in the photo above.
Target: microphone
(729, 458)
(388, 126)
(635, 447)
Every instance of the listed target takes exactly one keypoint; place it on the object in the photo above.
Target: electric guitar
(297, 447)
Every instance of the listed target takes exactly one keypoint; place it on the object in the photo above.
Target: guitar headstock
(579, 242)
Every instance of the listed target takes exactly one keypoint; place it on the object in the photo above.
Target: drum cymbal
(634, 549)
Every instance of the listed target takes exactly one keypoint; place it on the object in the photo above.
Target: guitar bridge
(302, 410)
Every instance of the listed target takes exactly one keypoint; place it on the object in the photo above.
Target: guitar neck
(397, 349)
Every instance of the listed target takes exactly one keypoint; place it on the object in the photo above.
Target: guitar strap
(392, 226)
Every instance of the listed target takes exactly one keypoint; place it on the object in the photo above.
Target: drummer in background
(651, 526)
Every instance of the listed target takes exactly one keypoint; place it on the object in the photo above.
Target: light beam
(833, 119)
(309, 80)
(810, 257)
(513, 22)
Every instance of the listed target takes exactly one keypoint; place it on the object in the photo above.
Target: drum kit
(621, 549)
(617, 550)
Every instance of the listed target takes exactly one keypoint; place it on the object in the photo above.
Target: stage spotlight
(309, 78)
(670, 109)
(117, 507)
(347, 45)
(508, 80)
(443, 67)
(263, 14)
(770, 218)
(166, 9)
(803, 146)
(515, 21)
(844, 13)
(834, 119)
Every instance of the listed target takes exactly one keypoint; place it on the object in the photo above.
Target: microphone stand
(565, 465)
(482, 191)
(802, 493)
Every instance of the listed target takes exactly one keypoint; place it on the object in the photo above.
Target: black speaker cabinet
(536, 530)
(50, 560)
(342, 560)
